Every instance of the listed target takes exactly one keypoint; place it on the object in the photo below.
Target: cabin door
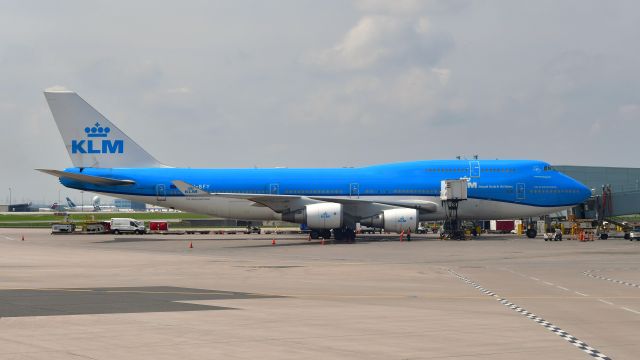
(520, 191)
(161, 194)
(354, 190)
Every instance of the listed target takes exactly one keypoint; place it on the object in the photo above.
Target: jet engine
(394, 220)
(318, 216)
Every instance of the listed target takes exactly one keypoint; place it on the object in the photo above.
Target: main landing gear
(532, 233)
(316, 234)
(344, 234)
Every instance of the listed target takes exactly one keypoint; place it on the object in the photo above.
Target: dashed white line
(631, 310)
(563, 288)
(589, 273)
(534, 278)
(548, 283)
(606, 302)
(8, 238)
(549, 326)
(579, 293)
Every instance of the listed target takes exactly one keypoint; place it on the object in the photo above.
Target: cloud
(382, 40)
(630, 112)
(179, 90)
(367, 43)
(394, 6)
(387, 67)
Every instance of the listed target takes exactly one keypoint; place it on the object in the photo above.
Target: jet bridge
(610, 204)
(616, 190)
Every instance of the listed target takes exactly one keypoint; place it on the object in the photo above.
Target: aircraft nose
(584, 191)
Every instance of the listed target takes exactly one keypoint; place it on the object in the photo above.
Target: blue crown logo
(97, 131)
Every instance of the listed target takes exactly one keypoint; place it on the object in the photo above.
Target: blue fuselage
(524, 182)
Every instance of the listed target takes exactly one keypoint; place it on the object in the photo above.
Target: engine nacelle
(318, 216)
(394, 220)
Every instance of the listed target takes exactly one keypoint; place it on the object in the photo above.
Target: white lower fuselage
(471, 209)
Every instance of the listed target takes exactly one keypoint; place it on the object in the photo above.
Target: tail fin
(70, 203)
(91, 139)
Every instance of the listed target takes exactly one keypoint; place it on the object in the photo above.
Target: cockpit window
(549, 168)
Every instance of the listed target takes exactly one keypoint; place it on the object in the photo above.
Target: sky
(304, 83)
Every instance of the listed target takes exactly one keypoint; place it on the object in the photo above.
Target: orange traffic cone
(309, 239)
(22, 237)
(273, 242)
(402, 236)
(190, 244)
(322, 241)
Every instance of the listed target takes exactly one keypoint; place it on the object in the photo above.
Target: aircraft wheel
(531, 233)
(604, 236)
(351, 235)
(326, 234)
(314, 234)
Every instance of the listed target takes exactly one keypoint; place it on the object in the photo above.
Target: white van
(123, 225)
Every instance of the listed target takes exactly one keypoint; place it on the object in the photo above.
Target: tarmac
(240, 297)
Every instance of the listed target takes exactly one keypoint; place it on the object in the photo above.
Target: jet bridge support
(452, 192)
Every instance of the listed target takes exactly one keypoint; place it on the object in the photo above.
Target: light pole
(9, 207)
(59, 196)
(81, 200)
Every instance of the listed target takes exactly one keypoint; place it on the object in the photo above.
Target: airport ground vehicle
(126, 225)
(635, 234)
(252, 230)
(63, 228)
(367, 230)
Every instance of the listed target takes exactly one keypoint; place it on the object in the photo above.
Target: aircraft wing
(96, 180)
(278, 203)
(287, 203)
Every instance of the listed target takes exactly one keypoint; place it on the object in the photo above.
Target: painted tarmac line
(547, 325)
(8, 238)
(589, 274)
(563, 288)
(534, 278)
(631, 310)
(548, 283)
(606, 302)
(579, 293)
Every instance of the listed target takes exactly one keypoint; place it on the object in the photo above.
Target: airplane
(72, 207)
(54, 207)
(94, 207)
(393, 196)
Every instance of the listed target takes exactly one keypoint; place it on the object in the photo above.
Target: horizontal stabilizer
(96, 180)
